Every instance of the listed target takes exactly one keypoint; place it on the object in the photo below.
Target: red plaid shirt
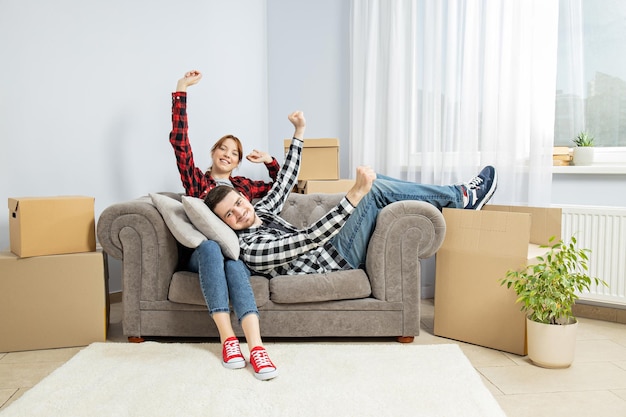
(196, 182)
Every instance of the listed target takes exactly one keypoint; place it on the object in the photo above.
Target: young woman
(226, 154)
(223, 280)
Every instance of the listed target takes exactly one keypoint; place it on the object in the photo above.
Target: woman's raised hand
(258, 157)
(190, 78)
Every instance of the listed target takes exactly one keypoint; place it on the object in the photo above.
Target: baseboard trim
(616, 315)
(115, 297)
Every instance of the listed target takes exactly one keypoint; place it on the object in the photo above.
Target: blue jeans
(352, 240)
(220, 277)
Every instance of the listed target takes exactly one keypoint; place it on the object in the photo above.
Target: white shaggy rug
(316, 379)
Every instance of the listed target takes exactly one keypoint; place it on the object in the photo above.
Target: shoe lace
(232, 348)
(261, 358)
(475, 183)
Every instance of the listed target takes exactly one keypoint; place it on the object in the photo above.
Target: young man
(270, 245)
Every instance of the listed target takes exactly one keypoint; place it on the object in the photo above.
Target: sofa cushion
(185, 289)
(212, 226)
(338, 285)
(177, 221)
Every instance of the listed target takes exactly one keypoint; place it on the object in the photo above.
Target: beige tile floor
(595, 385)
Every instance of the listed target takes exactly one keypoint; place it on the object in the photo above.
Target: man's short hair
(217, 194)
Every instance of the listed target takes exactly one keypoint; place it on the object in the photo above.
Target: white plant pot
(583, 155)
(551, 345)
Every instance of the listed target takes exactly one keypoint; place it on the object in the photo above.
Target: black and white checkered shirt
(277, 247)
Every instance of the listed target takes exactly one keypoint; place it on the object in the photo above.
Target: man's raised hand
(365, 177)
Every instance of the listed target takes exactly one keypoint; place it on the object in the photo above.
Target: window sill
(590, 169)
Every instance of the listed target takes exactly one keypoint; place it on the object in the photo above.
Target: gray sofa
(160, 298)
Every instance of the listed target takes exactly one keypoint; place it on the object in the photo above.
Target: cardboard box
(324, 186)
(320, 159)
(478, 250)
(52, 301)
(51, 225)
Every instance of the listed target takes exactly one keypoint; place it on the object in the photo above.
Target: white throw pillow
(177, 221)
(212, 226)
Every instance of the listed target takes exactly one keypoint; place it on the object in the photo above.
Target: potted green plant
(547, 290)
(583, 152)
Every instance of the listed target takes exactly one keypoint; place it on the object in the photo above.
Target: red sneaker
(231, 354)
(264, 369)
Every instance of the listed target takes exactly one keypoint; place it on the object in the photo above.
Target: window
(591, 74)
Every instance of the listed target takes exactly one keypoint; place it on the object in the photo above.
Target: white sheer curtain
(570, 76)
(443, 87)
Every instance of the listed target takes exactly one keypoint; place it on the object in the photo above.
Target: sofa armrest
(405, 232)
(135, 233)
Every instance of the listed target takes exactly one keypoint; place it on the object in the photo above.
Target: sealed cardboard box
(320, 159)
(52, 301)
(478, 250)
(51, 225)
(324, 186)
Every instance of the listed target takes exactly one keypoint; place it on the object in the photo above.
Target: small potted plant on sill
(547, 291)
(583, 151)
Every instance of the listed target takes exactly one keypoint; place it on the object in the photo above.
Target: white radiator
(603, 230)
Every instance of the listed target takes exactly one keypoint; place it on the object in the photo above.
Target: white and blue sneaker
(478, 191)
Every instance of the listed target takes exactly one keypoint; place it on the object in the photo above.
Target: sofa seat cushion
(339, 285)
(185, 289)
(283, 289)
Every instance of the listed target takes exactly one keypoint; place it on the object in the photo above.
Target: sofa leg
(136, 339)
(405, 339)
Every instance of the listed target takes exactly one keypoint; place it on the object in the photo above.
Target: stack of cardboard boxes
(319, 169)
(53, 289)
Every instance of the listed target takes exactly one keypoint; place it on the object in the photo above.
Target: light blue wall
(308, 70)
(588, 189)
(85, 93)
(85, 89)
